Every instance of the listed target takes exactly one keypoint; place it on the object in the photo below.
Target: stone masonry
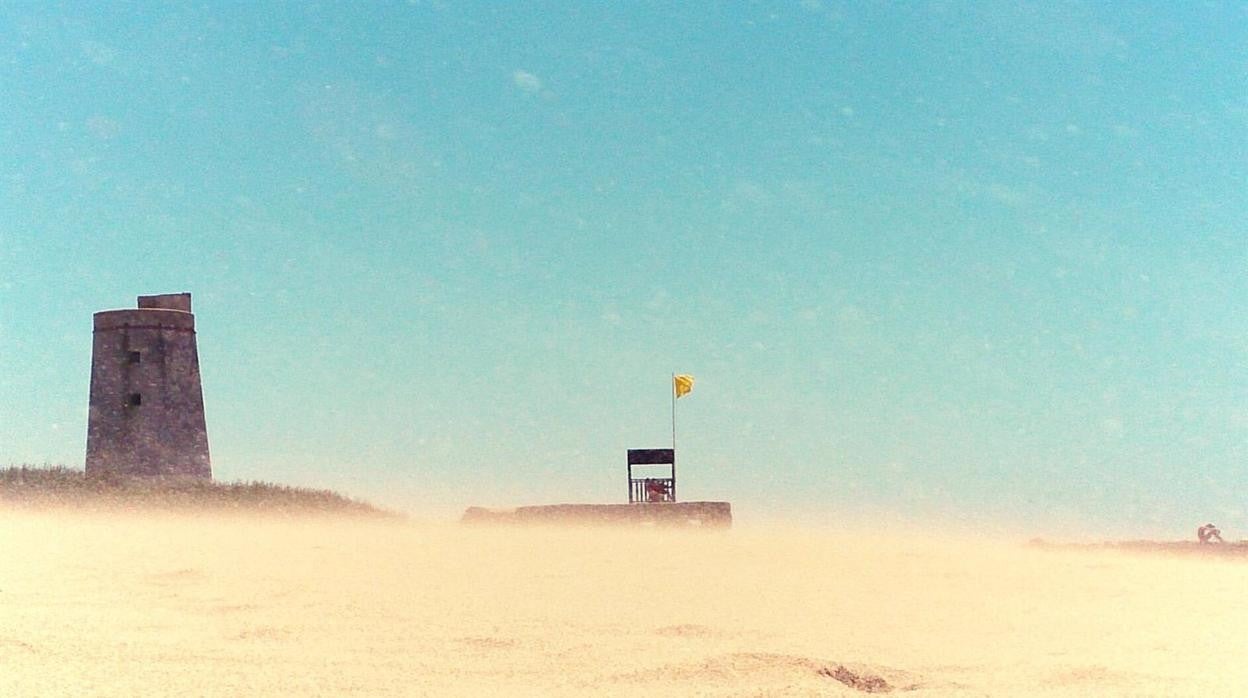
(147, 404)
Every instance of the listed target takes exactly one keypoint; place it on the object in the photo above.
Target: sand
(132, 605)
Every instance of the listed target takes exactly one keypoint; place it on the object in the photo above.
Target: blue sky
(979, 262)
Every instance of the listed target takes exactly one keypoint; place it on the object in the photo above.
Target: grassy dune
(58, 486)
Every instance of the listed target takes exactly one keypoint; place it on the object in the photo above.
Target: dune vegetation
(59, 486)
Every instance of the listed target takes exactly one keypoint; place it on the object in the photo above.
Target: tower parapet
(146, 405)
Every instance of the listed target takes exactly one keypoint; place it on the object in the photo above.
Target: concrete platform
(677, 514)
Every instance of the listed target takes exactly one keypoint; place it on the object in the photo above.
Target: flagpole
(672, 387)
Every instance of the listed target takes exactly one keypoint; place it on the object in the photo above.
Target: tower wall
(147, 405)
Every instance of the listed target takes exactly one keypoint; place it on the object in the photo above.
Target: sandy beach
(160, 605)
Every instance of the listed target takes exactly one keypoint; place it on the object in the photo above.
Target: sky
(978, 263)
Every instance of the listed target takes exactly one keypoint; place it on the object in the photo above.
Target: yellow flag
(683, 384)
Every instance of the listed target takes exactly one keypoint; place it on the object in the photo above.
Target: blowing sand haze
(165, 605)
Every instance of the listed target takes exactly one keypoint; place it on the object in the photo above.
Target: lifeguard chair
(651, 482)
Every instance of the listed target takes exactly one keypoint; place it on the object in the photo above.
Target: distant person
(1209, 534)
(657, 491)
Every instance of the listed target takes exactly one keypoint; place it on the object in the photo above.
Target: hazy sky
(986, 261)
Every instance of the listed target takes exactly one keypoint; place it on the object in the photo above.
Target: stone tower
(147, 405)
